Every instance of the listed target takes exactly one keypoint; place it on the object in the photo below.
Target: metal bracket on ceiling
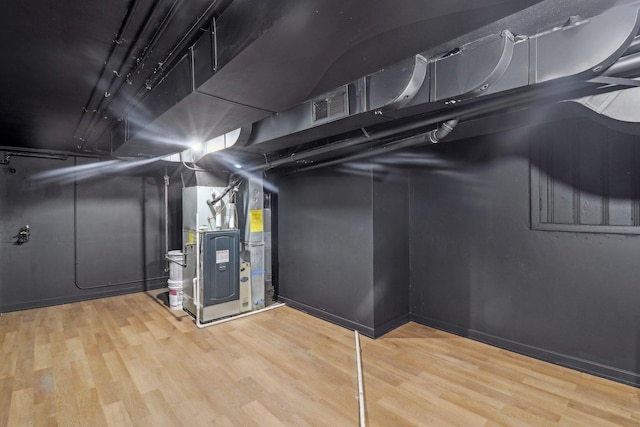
(395, 86)
(473, 70)
(415, 83)
(509, 41)
(585, 48)
(581, 49)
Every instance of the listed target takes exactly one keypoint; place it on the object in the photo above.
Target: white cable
(360, 387)
(196, 169)
(196, 283)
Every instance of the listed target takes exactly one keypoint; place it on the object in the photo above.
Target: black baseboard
(341, 321)
(589, 367)
(439, 324)
(89, 295)
(391, 325)
(346, 323)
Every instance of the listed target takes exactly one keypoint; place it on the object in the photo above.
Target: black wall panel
(478, 269)
(325, 243)
(124, 216)
(391, 250)
(343, 247)
(118, 234)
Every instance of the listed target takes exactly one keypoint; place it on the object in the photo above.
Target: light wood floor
(129, 361)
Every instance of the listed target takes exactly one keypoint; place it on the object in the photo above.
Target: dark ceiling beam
(100, 111)
(163, 66)
(117, 42)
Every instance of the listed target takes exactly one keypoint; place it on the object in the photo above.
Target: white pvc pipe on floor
(196, 281)
(360, 382)
(217, 322)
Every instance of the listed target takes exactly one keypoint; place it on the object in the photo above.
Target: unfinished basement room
(320, 213)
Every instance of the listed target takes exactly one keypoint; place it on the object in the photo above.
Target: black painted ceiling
(70, 64)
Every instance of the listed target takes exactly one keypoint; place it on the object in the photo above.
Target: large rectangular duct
(253, 62)
(177, 113)
(494, 65)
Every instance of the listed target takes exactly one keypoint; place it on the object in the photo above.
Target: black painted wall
(391, 252)
(478, 269)
(476, 266)
(118, 233)
(325, 242)
(342, 243)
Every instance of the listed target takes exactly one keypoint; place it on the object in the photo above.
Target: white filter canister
(175, 265)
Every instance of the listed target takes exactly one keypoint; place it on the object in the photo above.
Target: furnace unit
(212, 256)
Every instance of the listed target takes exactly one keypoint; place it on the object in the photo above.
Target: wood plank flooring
(127, 361)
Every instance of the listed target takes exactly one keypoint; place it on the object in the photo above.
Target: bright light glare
(175, 157)
(237, 165)
(90, 170)
(215, 144)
